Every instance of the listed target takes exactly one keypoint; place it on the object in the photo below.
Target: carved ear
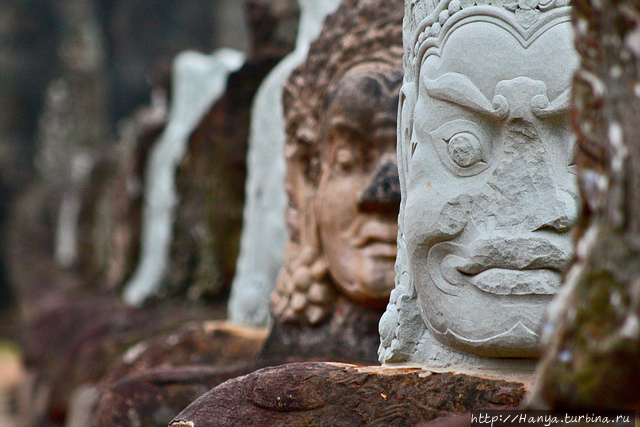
(406, 108)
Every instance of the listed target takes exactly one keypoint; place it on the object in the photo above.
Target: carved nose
(561, 213)
(383, 192)
(528, 190)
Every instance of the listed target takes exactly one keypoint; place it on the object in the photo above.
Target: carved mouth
(378, 240)
(376, 233)
(518, 253)
(517, 282)
(514, 266)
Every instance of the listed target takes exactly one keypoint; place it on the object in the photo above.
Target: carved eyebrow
(457, 88)
(345, 123)
(341, 121)
(542, 108)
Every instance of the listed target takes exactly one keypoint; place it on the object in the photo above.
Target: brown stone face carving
(341, 180)
(358, 195)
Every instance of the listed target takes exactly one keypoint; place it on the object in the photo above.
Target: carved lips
(378, 239)
(510, 266)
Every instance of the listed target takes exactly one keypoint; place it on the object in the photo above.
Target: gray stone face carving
(488, 190)
(263, 234)
(199, 80)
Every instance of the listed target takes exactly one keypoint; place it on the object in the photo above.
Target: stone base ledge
(334, 394)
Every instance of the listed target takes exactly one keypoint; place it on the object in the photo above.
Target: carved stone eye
(464, 149)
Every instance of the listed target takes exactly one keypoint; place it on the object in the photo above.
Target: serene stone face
(358, 195)
(344, 197)
(490, 189)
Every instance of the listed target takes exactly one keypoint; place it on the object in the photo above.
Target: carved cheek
(337, 201)
(454, 216)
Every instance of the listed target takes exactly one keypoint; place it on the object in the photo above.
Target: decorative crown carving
(527, 14)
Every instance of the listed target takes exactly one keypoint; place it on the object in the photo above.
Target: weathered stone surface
(203, 250)
(111, 213)
(489, 193)
(130, 386)
(197, 82)
(348, 335)
(331, 394)
(67, 330)
(31, 269)
(157, 378)
(212, 343)
(108, 225)
(154, 397)
(74, 342)
(74, 111)
(263, 234)
(210, 181)
(342, 186)
(72, 130)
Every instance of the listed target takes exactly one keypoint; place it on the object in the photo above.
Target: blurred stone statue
(342, 185)
(263, 232)
(489, 193)
(199, 80)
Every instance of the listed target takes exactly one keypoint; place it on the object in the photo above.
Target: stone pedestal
(212, 343)
(305, 394)
(156, 379)
(73, 343)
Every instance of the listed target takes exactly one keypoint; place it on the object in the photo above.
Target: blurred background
(73, 73)
(72, 70)
(119, 45)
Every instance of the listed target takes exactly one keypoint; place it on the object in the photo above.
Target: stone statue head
(488, 190)
(341, 181)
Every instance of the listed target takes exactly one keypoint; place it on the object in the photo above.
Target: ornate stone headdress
(427, 23)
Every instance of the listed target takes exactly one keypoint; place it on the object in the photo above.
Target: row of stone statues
(486, 176)
(482, 183)
(428, 170)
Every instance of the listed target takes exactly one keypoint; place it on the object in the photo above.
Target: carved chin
(374, 291)
(367, 275)
(494, 313)
(519, 341)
